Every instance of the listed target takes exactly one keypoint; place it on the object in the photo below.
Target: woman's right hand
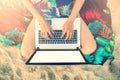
(46, 31)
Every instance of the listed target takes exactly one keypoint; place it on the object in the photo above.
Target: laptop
(57, 50)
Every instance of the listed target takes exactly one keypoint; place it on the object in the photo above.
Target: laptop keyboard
(56, 38)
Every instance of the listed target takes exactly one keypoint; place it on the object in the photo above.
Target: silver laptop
(57, 50)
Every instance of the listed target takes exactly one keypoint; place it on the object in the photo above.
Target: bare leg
(28, 43)
(88, 42)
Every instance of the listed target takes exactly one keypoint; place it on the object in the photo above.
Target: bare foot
(105, 33)
(18, 38)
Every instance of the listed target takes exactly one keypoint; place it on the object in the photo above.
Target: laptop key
(56, 38)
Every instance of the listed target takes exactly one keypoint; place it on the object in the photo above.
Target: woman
(44, 8)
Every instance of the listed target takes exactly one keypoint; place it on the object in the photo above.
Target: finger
(63, 34)
(106, 31)
(50, 34)
(67, 36)
(102, 31)
(71, 35)
(51, 31)
(42, 34)
(109, 31)
(20, 38)
(46, 36)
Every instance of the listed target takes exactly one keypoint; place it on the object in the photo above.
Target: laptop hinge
(77, 48)
(37, 48)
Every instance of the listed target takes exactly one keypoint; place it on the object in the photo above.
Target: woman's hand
(46, 31)
(67, 30)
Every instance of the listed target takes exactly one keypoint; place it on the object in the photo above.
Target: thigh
(87, 39)
(29, 38)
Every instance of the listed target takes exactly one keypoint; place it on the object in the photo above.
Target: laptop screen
(57, 57)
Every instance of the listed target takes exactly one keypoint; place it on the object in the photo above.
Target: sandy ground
(12, 64)
(12, 67)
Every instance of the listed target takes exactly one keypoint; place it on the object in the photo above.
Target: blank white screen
(57, 57)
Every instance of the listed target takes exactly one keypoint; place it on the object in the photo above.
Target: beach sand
(12, 64)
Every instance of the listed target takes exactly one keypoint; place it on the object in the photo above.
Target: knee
(26, 53)
(88, 49)
(23, 52)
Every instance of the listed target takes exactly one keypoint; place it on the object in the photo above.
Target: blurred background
(13, 15)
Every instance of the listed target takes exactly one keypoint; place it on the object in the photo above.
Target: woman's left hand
(67, 30)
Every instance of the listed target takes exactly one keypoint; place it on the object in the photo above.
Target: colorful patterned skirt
(96, 15)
